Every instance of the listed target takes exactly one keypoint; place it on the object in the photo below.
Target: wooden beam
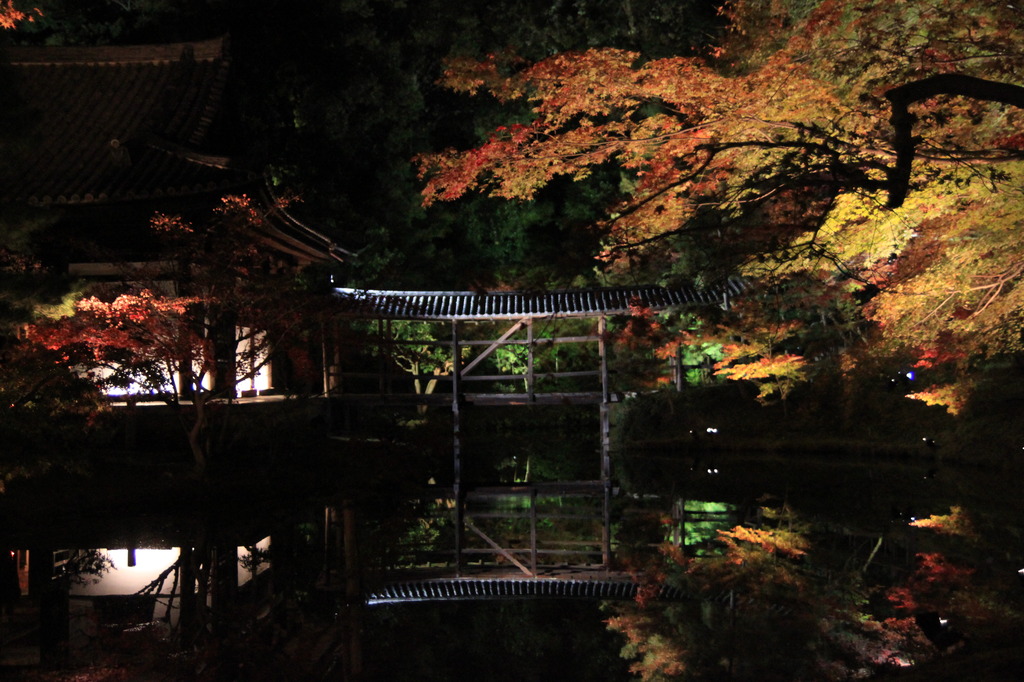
(487, 342)
(543, 552)
(501, 550)
(480, 377)
(489, 399)
(486, 353)
(544, 489)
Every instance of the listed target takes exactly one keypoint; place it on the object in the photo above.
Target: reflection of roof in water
(469, 305)
(615, 588)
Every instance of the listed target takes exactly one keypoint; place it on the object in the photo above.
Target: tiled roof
(116, 123)
(290, 235)
(469, 305)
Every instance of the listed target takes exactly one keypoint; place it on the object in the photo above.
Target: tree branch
(901, 97)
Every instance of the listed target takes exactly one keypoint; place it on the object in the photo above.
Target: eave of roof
(203, 50)
(469, 305)
(290, 234)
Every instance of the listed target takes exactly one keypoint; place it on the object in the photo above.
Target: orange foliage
(640, 327)
(771, 541)
(776, 156)
(957, 522)
(10, 15)
(951, 396)
(658, 655)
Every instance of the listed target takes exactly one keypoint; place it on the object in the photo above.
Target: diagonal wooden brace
(486, 353)
(501, 550)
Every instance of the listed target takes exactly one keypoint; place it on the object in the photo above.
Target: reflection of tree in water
(84, 566)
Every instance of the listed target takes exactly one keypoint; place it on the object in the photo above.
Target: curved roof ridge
(43, 55)
(221, 161)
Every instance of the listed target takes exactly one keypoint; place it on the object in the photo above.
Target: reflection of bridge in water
(495, 584)
(540, 568)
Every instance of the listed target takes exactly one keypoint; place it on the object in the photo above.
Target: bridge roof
(490, 305)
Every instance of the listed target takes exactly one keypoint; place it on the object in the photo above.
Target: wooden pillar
(680, 372)
(49, 590)
(457, 445)
(353, 594)
(329, 357)
(531, 388)
(606, 462)
(389, 365)
(533, 530)
(188, 615)
(224, 338)
(382, 361)
(224, 585)
(329, 544)
(325, 362)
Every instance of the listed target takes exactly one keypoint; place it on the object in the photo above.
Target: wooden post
(50, 592)
(533, 530)
(329, 357)
(680, 374)
(389, 386)
(530, 387)
(457, 446)
(682, 528)
(353, 593)
(324, 361)
(224, 585)
(381, 359)
(328, 545)
(188, 616)
(606, 462)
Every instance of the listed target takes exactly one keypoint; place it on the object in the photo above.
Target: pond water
(71, 601)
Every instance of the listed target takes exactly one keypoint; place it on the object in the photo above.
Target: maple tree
(869, 147)
(751, 348)
(187, 330)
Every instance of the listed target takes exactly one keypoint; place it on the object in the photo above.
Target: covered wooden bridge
(524, 321)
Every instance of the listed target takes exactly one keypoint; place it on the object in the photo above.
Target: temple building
(101, 139)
